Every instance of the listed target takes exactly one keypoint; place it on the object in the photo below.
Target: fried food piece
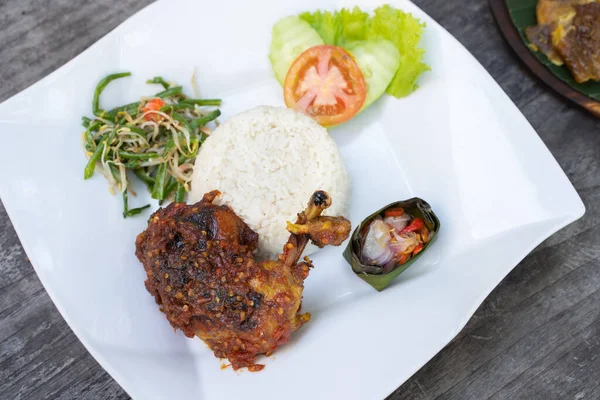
(540, 38)
(579, 43)
(568, 32)
(323, 231)
(551, 14)
(201, 270)
(559, 11)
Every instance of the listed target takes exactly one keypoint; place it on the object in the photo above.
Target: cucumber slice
(291, 36)
(378, 61)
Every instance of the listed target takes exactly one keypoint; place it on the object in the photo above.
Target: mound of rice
(267, 162)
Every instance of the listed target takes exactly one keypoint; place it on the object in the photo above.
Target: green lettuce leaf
(326, 24)
(345, 27)
(340, 27)
(355, 25)
(405, 32)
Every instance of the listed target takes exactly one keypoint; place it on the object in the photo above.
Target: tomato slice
(326, 84)
(153, 105)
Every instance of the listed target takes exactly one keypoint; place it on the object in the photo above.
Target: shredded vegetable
(156, 138)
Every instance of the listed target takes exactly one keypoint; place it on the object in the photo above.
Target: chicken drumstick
(201, 270)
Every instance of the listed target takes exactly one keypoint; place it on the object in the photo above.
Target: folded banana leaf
(375, 274)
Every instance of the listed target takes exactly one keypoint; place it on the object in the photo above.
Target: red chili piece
(415, 225)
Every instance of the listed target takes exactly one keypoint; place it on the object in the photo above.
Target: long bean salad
(156, 138)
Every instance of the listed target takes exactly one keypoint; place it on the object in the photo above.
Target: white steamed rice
(267, 162)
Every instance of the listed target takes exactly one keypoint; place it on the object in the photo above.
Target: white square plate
(458, 142)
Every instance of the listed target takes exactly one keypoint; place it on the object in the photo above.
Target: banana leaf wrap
(375, 275)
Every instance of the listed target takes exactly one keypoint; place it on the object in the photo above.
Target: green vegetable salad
(384, 44)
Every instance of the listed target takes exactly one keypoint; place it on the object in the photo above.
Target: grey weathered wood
(536, 337)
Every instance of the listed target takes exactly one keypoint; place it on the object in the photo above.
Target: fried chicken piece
(550, 11)
(540, 39)
(568, 32)
(578, 44)
(551, 14)
(323, 231)
(201, 270)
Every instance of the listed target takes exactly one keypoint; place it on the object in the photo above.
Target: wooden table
(536, 337)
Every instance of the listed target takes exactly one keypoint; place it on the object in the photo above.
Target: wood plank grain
(537, 336)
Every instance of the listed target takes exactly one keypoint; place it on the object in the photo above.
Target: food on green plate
(266, 162)
(156, 138)
(390, 240)
(325, 83)
(568, 32)
(384, 45)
